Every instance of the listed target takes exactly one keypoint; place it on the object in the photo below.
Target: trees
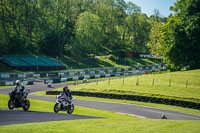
(71, 27)
(178, 38)
(155, 44)
(181, 35)
(138, 32)
(88, 32)
(132, 8)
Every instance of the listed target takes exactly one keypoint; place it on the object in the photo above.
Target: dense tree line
(72, 27)
(178, 40)
(79, 28)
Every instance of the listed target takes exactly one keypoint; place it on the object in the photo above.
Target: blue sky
(147, 6)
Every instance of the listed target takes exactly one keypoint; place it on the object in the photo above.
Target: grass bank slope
(107, 61)
(183, 85)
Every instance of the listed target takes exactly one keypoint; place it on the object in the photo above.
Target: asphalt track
(131, 109)
(8, 117)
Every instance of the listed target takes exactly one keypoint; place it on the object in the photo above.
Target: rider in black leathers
(19, 88)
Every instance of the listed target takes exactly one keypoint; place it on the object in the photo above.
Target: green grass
(3, 87)
(106, 61)
(170, 85)
(113, 123)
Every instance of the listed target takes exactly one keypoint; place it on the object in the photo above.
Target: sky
(148, 6)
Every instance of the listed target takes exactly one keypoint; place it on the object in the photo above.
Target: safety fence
(150, 80)
(78, 74)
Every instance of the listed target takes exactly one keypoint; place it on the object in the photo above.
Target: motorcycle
(18, 100)
(64, 104)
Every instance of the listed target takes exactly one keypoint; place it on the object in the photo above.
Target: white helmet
(17, 82)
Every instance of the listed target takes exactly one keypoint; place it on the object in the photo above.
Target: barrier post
(153, 82)
(137, 82)
(186, 83)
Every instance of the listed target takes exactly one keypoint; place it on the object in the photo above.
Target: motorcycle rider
(19, 88)
(66, 93)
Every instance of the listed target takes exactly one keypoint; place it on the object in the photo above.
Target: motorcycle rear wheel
(71, 110)
(11, 104)
(26, 105)
(56, 108)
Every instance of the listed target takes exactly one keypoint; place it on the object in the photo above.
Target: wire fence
(145, 80)
(77, 73)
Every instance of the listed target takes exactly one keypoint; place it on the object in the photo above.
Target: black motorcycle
(17, 100)
(64, 104)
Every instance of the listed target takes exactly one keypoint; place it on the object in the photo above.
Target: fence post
(97, 82)
(137, 82)
(186, 83)
(153, 82)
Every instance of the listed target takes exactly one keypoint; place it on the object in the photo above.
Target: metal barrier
(77, 74)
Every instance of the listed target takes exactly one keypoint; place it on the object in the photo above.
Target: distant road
(131, 109)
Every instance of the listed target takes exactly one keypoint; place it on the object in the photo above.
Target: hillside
(107, 61)
(97, 62)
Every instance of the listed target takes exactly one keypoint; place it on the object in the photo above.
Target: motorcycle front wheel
(56, 108)
(11, 104)
(71, 110)
(26, 105)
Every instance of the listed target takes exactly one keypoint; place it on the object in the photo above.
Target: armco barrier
(11, 83)
(46, 81)
(186, 104)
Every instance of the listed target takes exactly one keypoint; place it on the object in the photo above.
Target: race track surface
(8, 117)
(131, 109)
